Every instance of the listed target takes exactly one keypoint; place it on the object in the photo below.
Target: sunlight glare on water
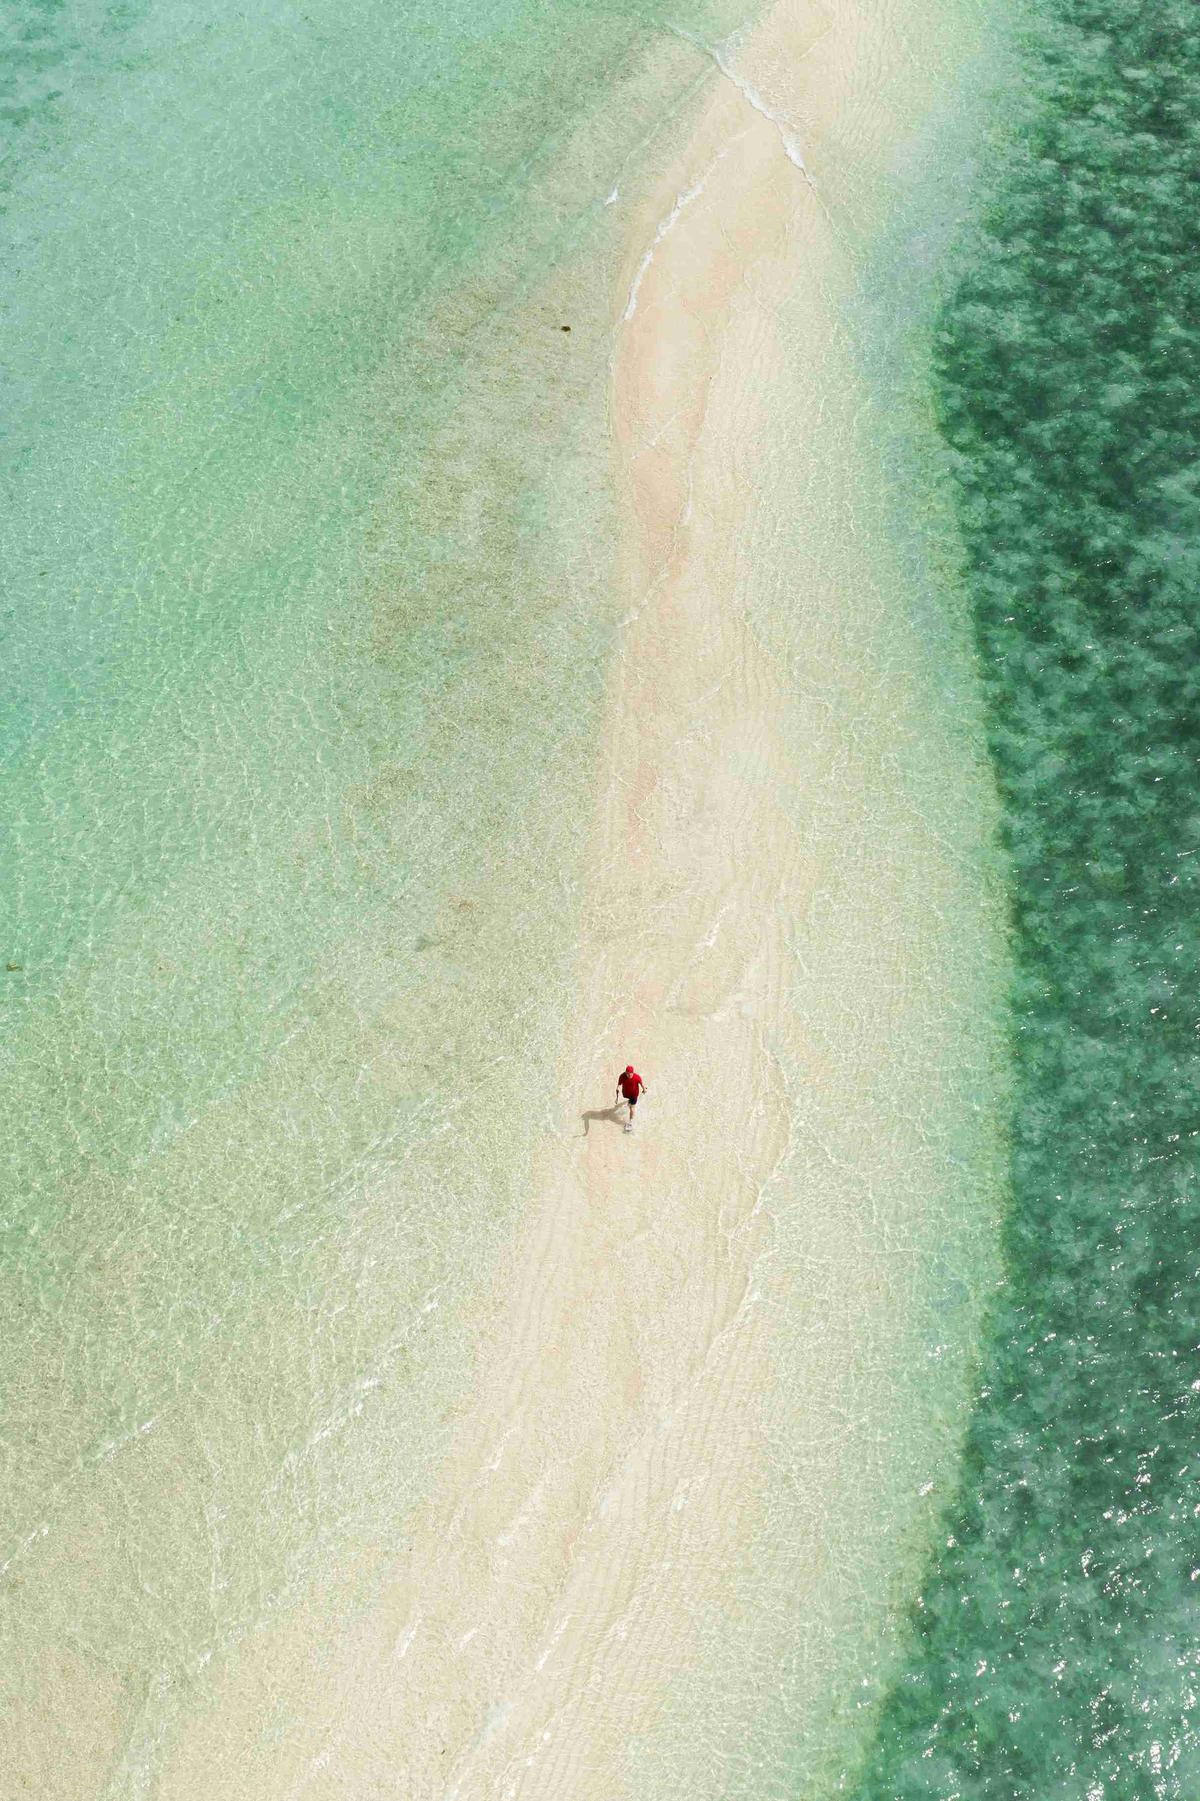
(310, 534)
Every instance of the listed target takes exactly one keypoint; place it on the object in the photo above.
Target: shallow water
(302, 634)
(309, 534)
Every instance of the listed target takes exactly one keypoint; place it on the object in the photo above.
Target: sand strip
(613, 1472)
(661, 1522)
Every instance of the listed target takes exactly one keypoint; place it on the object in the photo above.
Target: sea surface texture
(1054, 1641)
(305, 629)
(309, 529)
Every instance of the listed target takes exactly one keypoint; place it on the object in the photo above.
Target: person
(629, 1087)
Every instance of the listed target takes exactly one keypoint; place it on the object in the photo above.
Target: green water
(306, 536)
(306, 623)
(1054, 1649)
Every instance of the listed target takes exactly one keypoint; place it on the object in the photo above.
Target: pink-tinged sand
(580, 1590)
(655, 1558)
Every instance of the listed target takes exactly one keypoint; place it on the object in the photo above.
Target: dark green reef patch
(1055, 1644)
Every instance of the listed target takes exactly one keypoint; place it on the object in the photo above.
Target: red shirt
(630, 1084)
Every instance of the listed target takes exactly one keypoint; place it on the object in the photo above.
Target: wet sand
(570, 1592)
(677, 1498)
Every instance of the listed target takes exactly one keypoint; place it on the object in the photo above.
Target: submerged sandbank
(719, 1385)
(719, 1375)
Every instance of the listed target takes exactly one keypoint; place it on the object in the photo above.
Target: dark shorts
(631, 1098)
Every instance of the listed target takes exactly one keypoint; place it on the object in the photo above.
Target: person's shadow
(612, 1114)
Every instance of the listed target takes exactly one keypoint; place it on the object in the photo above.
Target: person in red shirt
(629, 1087)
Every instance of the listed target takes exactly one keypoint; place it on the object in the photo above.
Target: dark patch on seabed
(1055, 1644)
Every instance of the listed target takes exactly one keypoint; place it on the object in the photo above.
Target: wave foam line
(787, 135)
(682, 201)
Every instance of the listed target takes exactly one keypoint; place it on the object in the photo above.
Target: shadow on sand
(613, 1114)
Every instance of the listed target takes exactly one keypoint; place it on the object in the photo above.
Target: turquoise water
(306, 550)
(1054, 1643)
(302, 635)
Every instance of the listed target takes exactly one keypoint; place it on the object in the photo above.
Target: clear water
(1054, 1643)
(307, 537)
(300, 636)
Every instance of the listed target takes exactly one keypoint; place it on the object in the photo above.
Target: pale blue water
(307, 538)
(301, 637)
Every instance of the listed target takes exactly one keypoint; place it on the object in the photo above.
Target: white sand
(664, 1543)
(620, 1465)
